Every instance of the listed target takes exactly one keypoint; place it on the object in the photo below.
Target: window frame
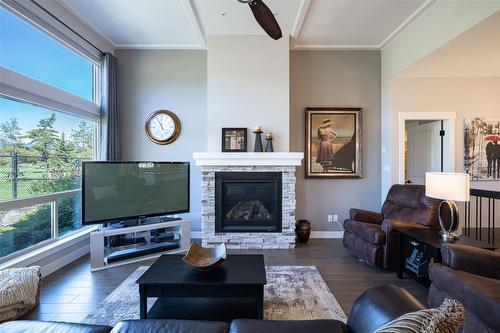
(24, 89)
(52, 199)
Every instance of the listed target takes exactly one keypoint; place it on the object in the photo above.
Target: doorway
(427, 144)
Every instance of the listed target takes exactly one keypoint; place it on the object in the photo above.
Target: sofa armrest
(471, 259)
(378, 306)
(365, 216)
(391, 229)
(389, 225)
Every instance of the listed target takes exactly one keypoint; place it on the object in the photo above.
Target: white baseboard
(314, 234)
(65, 260)
(56, 249)
(327, 234)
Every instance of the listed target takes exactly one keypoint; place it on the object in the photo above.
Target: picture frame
(234, 140)
(481, 148)
(333, 142)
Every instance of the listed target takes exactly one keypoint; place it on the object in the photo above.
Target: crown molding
(162, 46)
(410, 19)
(91, 26)
(334, 47)
(194, 19)
(299, 20)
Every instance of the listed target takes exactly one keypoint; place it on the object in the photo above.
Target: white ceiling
(354, 23)
(474, 53)
(186, 23)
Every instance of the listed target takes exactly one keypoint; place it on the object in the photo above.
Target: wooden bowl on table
(205, 258)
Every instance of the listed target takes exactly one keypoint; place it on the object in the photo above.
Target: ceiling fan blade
(265, 18)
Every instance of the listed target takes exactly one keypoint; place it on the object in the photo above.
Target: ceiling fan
(264, 17)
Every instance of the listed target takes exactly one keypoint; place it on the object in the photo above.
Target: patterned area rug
(291, 293)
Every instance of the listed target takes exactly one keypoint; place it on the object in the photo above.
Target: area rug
(291, 293)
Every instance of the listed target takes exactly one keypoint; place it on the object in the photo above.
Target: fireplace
(239, 170)
(248, 202)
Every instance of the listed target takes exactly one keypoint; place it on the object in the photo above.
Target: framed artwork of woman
(333, 142)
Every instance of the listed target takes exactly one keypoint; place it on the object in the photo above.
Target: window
(43, 138)
(41, 151)
(29, 51)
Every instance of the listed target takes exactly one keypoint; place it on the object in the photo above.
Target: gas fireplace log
(249, 210)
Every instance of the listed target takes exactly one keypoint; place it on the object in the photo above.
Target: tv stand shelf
(98, 258)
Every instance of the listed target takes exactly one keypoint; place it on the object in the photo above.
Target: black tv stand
(169, 219)
(139, 221)
(141, 251)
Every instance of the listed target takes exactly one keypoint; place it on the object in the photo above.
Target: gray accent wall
(336, 78)
(175, 80)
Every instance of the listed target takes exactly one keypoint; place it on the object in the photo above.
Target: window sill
(39, 253)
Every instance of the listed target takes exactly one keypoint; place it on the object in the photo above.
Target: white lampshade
(447, 185)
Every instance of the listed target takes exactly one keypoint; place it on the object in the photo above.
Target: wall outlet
(335, 218)
(330, 218)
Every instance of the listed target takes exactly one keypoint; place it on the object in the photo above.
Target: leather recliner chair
(373, 236)
(471, 276)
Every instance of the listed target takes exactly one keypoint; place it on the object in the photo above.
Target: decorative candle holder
(269, 143)
(258, 139)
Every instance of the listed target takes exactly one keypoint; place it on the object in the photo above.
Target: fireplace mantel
(248, 159)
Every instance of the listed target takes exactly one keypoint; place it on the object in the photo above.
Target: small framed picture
(234, 139)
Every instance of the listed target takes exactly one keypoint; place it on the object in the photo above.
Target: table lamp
(449, 187)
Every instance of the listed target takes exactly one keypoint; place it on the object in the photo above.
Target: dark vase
(269, 146)
(303, 230)
(258, 142)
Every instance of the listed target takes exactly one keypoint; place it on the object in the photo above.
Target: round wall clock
(163, 127)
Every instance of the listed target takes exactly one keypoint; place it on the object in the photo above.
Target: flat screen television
(114, 191)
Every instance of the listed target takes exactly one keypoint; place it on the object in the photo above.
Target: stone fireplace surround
(248, 162)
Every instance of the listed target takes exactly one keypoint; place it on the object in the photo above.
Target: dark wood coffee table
(233, 290)
(428, 241)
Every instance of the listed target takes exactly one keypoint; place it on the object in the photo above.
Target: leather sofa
(373, 236)
(471, 276)
(371, 310)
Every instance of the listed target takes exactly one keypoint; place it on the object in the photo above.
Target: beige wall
(248, 84)
(436, 26)
(468, 97)
(336, 78)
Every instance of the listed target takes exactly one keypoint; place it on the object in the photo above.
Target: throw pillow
(444, 319)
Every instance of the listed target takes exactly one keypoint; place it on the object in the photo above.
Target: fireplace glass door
(248, 202)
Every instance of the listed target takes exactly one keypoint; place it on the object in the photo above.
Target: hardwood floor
(72, 292)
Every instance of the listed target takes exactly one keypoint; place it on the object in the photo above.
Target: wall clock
(163, 127)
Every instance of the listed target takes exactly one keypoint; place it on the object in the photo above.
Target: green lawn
(27, 171)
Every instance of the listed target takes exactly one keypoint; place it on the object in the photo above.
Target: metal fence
(24, 176)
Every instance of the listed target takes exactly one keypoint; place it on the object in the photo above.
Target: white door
(423, 149)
